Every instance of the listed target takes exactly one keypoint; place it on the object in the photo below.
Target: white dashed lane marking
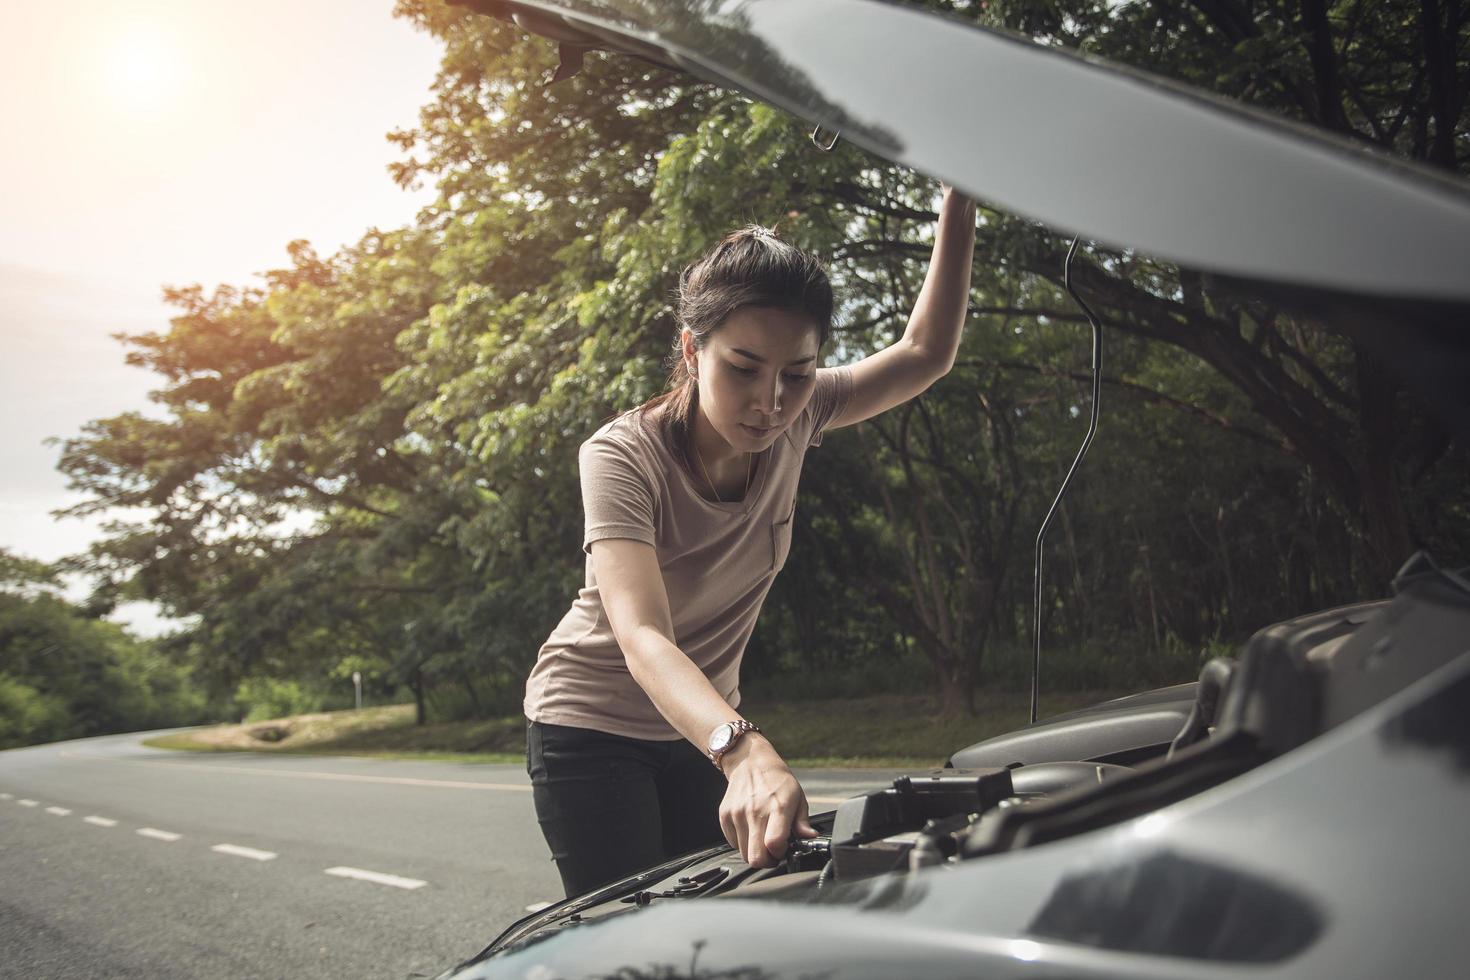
(60, 811)
(6, 796)
(244, 852)
(211, 767)
(100, 821)
(27, 802)
(157, 834)
(378, 877)
(538, 906)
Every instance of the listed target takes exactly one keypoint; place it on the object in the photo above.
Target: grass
(896, 730)
(874, 731)
(384, 732)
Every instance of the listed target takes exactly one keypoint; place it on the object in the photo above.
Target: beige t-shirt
(718, 562)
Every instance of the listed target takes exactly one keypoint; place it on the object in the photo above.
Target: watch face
(719, 739)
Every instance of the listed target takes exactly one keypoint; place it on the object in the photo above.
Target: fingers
(778, 828)
(748, 829)
(758, 854)
(787, 817)
(759, 819)
(737, 830)
(728, 828)
(803, 825)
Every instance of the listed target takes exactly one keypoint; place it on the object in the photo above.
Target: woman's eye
(798, 379)
(744, 371)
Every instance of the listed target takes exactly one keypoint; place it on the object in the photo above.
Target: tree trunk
(954, 695)
(1351, 445)
(956, 674)
(417, 684)
(1439, 41)
(1328, 89)
(1385, 524)
(469, 687)
(1389, 543)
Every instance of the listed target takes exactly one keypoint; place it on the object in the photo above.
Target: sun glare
(142, 70)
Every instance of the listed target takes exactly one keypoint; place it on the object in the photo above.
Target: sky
(165, 143)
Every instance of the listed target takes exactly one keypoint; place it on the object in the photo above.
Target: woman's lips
(758, 431)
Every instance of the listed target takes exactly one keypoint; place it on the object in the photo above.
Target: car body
(1314, 826)
(1299, 811)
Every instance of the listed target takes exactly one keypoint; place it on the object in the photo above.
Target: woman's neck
(717, 464)
(714, 451)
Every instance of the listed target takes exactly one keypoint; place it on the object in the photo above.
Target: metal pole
(357, 687)
(1097, 353)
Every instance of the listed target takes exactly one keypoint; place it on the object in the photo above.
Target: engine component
(1052, 778)
(874, 833)
(1125, 732)
(1214, 681)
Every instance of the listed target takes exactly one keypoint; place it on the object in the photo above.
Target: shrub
(259, 698)
(27, 716)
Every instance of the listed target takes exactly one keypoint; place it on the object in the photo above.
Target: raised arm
(927, 349)
(763, 802)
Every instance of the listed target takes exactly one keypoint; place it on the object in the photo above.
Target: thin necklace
(749, 469)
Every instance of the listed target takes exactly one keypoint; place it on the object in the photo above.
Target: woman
(688, 502)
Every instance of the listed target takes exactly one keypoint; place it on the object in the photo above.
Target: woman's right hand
(764, 804)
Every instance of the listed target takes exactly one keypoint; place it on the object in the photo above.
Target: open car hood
(1337, 755)
(1121, 157)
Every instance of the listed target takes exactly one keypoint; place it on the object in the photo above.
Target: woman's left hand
(956, 196)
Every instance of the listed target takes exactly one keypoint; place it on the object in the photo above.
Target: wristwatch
(724, 737)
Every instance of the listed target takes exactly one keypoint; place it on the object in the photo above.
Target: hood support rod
(1097, 354)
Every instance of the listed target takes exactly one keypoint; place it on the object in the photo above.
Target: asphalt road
(123, 861)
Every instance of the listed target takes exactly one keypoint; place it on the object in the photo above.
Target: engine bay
(1291, 682)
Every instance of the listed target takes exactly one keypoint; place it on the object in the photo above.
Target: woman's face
(755, 374)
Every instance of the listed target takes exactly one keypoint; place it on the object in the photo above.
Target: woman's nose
(769, 397)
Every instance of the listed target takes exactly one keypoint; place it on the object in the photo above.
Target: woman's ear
(687, 349)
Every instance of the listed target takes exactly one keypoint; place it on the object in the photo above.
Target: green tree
(65, 674)
(1393, 74)
(371, 457)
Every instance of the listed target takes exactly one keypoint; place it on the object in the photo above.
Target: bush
(1098, 665)
(489, 694)
(27, 716)
(907, 674)
(96, 678)
(259, 698)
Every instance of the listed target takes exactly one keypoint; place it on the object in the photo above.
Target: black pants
(610, 805)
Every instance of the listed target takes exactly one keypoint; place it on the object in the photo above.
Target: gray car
(1298, 811)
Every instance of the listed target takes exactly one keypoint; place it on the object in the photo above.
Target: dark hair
(748, 267)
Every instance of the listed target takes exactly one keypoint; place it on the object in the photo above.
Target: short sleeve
(832, 392)
(617, 495)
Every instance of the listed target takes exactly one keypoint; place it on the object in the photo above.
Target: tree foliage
(66, 674)
(369, 459)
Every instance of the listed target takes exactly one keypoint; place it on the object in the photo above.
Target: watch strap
(738, 728)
